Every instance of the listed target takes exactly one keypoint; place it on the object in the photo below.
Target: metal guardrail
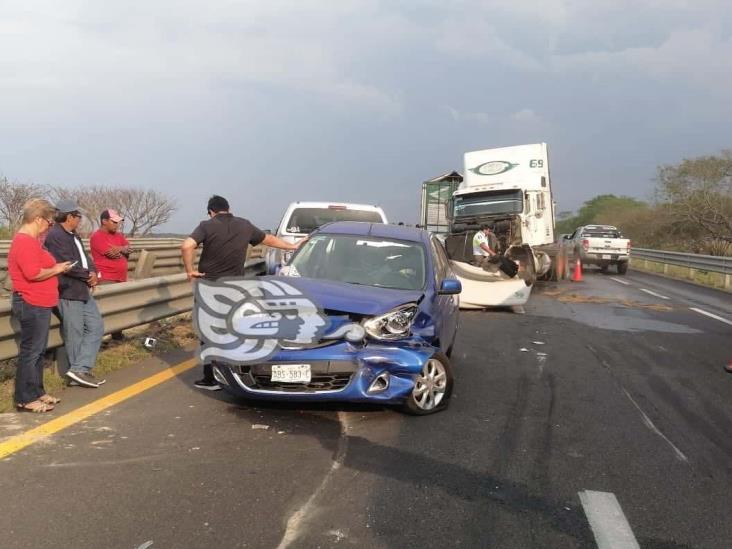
(123, 306)
(695, 263)
(713, 263)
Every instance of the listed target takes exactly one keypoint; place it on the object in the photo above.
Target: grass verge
(171, 333)
(701, 278)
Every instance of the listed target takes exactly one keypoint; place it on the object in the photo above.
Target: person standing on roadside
(110, 249)
(82, 326)
(225, 239)
(33, 272)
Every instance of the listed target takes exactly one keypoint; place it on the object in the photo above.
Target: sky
(267, 103)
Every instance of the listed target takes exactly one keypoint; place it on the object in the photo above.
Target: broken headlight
(393, 325)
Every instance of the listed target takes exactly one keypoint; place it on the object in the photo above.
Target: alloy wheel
(430, 385)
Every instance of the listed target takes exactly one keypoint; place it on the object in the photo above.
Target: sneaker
(207, 385)
(83, 379)
(96, 379)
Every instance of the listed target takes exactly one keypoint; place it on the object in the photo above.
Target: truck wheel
(603, 269)
(622, 267)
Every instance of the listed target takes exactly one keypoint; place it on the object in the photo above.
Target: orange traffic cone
(577, 273)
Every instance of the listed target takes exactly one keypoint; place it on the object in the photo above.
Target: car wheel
(622, 267)
(432, 387)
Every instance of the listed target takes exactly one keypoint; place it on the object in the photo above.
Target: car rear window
(600, 233)
(306, 220)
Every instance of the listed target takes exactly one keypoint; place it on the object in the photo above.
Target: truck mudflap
(483, 289)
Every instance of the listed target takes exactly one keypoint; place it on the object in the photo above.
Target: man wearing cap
(110, 249)
(82, 326)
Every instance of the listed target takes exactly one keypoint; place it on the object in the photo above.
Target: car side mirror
(450, 286)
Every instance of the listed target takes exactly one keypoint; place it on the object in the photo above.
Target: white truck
(302, 218)
(601, 245)
(508, 189)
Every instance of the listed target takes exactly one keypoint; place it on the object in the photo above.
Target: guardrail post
(145, 265)
(728, 281)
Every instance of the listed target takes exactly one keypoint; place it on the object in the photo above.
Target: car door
(447, 307)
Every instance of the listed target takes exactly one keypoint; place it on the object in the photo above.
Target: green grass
(172, 333)
(703, 278)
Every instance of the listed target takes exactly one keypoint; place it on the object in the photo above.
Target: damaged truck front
(509, 190)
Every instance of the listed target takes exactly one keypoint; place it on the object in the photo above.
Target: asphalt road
(598, 386)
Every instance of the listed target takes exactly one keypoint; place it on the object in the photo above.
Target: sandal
(37, 407)
(48, 399)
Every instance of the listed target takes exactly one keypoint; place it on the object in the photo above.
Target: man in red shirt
(110, 249)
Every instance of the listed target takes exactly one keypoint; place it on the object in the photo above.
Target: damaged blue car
(388, 304)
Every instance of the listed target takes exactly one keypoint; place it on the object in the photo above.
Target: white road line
(654, 293)
(710, 315)
(608, 523)
(297, 523)
(620, 281)
(652, 426)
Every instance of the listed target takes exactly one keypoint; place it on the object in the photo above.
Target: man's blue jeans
(82, 328)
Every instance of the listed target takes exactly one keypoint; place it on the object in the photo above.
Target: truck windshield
(489, 203)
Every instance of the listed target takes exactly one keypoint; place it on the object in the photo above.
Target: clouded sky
(355, 100)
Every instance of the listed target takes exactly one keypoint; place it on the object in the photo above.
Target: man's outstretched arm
(273, 242)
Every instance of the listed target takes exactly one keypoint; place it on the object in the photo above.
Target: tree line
(691, 209)
(143, 209)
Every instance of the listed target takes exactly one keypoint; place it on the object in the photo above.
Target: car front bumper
(340, 372)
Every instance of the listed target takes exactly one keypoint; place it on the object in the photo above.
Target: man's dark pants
(34, 326)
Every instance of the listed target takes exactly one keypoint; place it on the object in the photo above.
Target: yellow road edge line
(18, 442)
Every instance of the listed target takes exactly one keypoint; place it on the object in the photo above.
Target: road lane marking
(652, 426)
(18, 442)
(710, 315)
(654, 293)
(623, 282)
(608, 523)
(297, 523)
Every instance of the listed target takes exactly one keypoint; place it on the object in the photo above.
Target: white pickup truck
(302, 218)
(601, 245)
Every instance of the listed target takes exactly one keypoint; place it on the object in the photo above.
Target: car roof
(347, 205)
(378, 230)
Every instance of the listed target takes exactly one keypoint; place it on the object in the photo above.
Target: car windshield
(489, 203)
(306, 220)
(362, 260)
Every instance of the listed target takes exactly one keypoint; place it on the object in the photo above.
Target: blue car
(390, 290)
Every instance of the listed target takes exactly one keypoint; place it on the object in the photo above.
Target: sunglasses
(75, 214)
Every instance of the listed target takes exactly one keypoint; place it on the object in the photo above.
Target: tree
(13, 196)
(143, 210)
(605, 206)
(697, 193)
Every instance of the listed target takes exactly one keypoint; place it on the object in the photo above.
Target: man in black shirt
(225, 240)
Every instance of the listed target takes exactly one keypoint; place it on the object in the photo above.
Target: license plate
(291, 373)
(606, 257)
